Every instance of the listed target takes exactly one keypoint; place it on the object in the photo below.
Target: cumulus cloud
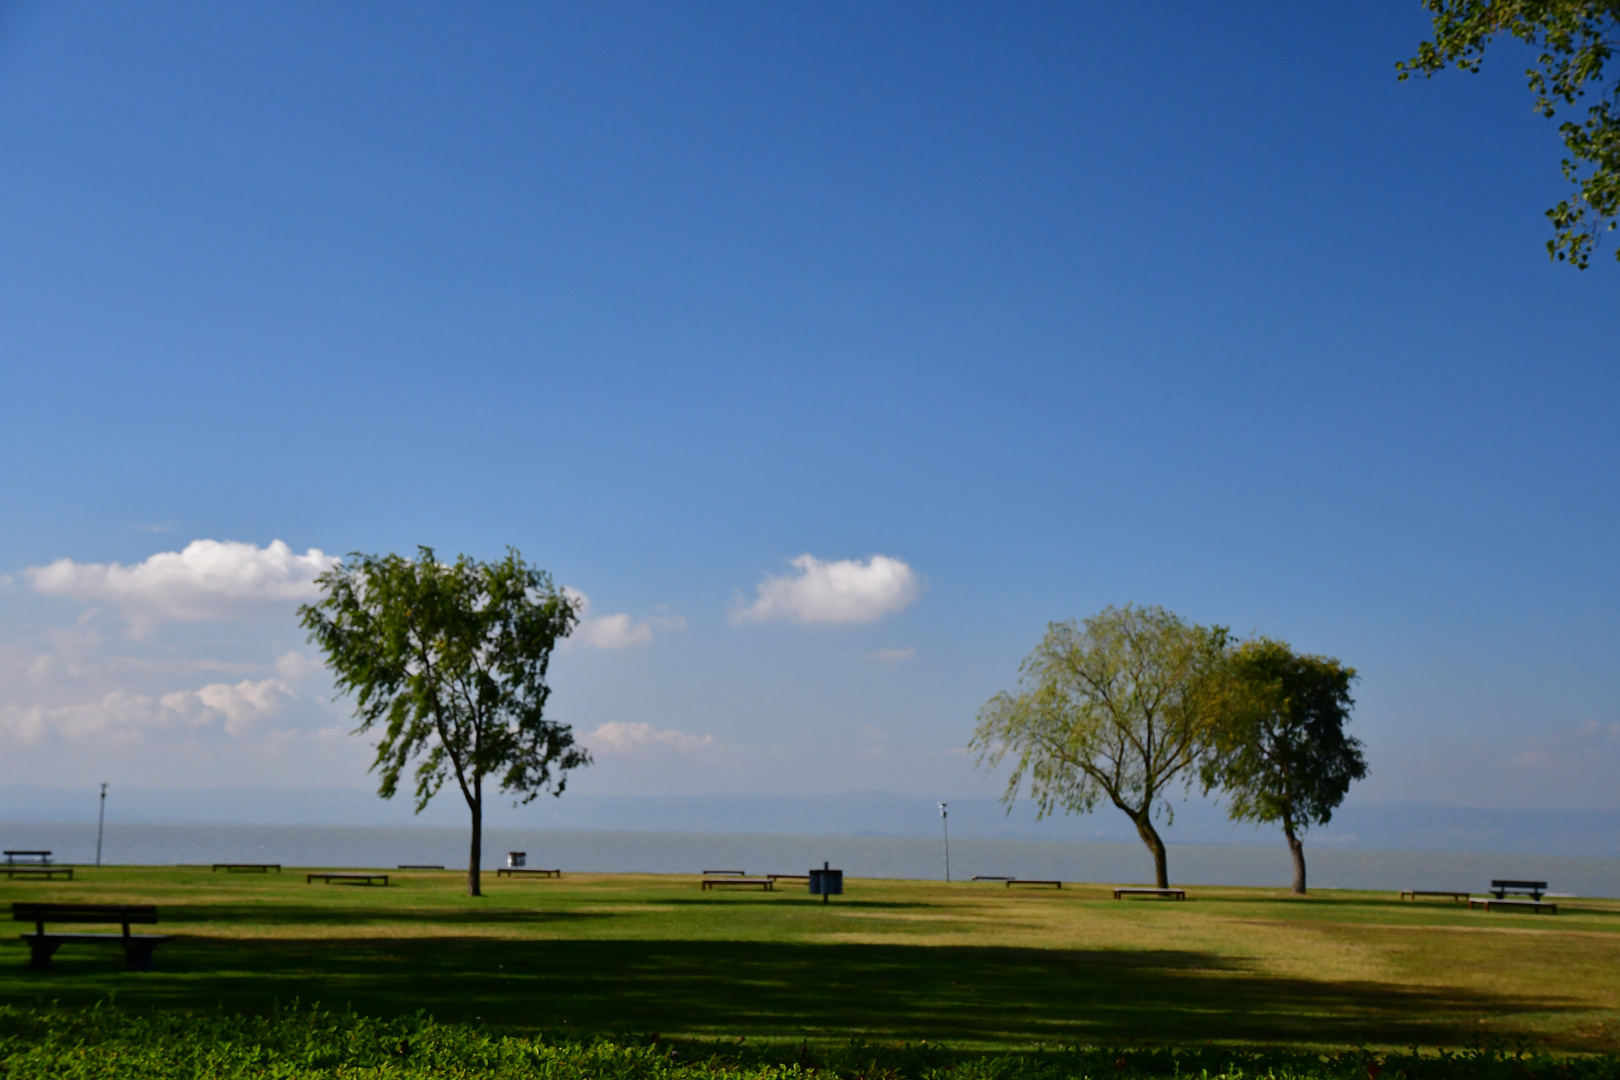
(615, 631)
(208, 579)
(237, 707)
(844, 591)
(617, 737)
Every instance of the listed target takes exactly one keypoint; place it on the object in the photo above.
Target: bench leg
(40, 951)
(138, 955)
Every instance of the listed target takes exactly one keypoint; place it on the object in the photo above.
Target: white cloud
(209, 579)
(845, 591)
(297, 666)
(615, 631)
(617, 737)
(241, 707)
(894, 656)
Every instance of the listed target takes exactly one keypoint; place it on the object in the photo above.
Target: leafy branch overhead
(1576, 38)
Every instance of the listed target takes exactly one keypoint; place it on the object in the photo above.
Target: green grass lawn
(973, 965)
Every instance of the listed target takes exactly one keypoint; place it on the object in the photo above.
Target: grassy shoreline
(979, 967)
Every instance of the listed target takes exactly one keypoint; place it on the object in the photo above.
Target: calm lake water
(859, 856)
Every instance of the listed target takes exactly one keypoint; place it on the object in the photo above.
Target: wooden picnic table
(734, 873)
(788, 877)
(347, 879)
(1032, 881)
(248, 867)
(526, 871)
(1535, 907)
(37, 873)
(1415, 893)
(1163, 894)
(746, 882)
(137, 947)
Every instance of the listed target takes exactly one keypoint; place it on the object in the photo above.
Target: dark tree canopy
(1576, 39)
(1117, 707)
(450, 662)
(1280, 752)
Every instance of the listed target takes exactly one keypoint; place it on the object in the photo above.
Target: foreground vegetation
(977, 966)
(109, 1044)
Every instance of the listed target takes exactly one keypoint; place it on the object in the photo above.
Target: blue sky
(1060, 306)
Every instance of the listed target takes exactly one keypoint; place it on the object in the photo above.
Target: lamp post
(101, 821)
(944, 825)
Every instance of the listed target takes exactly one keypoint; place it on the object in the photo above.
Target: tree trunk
(1150, 837)
(1296, 848)
(476, 858)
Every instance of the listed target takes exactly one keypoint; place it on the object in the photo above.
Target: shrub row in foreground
(106, 1043)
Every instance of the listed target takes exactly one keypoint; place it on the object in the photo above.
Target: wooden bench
(788, 877)
(1165, 894)
(746, 882)
(1032, 881)
(734, 873)
(348, 879)
(30, 858)
(248, 867)
(1413, 894)
(1535, 907)
(419, 866)
(137, 947)
(42, 873)
(525, 871)
(992, 877)
(1500, 888)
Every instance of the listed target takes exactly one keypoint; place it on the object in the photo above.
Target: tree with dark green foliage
(1280, 752)
(450, 661)
(1576, 38)
(1118, 706)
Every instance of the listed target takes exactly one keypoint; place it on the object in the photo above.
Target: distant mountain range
(1384, 826)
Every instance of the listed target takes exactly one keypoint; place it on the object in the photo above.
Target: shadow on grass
(964, 996)
(278, 914)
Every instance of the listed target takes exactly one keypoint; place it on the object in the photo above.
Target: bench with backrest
(137, 947)
(744, 882)
(1413, 894)
(733, 873)
(1501, 887)
(993, 877)
(1163, 894)
(28, 858)
(248, 867)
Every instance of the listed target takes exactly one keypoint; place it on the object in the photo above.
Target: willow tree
(1280, 752)
(450, 662)
(1119, 706)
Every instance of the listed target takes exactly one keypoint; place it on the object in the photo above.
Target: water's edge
(625, 851)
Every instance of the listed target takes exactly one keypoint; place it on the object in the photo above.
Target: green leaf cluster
(1576, 38)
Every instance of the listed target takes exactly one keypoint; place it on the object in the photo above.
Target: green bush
(107, 1043)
